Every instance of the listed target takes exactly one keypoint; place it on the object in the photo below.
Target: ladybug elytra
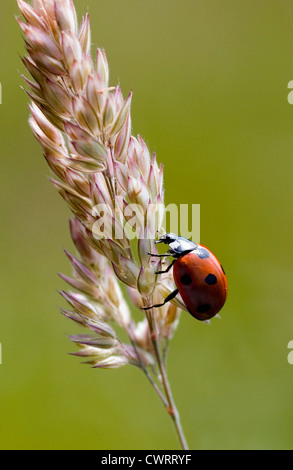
(199, 276)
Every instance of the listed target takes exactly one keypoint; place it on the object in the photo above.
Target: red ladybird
(200, 278)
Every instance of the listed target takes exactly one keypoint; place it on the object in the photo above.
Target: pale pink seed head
(65, 15)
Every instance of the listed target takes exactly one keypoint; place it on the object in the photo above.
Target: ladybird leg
(167, 299)
(166, 270)
(160, 256)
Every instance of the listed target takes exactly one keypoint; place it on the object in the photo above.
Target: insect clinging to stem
(199, 276)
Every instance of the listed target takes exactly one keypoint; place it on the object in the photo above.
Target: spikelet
(105, 175)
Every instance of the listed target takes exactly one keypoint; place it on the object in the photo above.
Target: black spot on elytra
(186, 279)
(203, 308)
(223, 270)
(201, 252)
(211, 279)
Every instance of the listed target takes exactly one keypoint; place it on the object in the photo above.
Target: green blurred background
(210, 95)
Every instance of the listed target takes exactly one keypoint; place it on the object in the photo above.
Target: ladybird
(199, 276)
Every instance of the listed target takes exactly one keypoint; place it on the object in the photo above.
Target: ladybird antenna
(161, 231)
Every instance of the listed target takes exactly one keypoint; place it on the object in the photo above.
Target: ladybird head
(179, 246)
(167, 238)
